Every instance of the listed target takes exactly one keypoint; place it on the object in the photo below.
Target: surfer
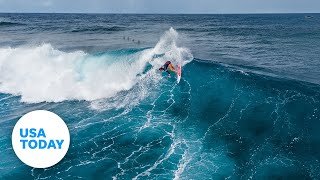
(165, 68)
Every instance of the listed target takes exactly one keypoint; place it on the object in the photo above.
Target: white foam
(46, 74)
(167, 45)
(43, 73)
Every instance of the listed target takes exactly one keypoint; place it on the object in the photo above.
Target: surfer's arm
(172, 68)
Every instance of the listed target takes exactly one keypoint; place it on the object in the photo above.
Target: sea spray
(43, 73)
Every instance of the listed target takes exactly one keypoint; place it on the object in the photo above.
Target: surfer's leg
(168, 73)
(172, 68)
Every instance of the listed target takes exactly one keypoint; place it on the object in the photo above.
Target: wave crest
(44, 73)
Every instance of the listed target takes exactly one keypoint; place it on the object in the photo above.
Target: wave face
(218, 122)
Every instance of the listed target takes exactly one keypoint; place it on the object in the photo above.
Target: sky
(161, 6)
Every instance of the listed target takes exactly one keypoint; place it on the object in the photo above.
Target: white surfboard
(179, 73)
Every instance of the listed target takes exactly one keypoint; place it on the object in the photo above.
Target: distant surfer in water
(165, 68)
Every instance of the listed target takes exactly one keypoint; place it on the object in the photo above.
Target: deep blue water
(247, 106)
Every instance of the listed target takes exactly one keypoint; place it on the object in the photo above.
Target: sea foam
(43, 73)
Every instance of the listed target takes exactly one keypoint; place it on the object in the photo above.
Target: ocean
(247, 105)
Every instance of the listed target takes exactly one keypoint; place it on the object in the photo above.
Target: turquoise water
(235, 119)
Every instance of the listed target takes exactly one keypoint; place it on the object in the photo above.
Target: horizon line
(118, 13)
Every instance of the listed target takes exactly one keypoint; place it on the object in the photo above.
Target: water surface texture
(247, 106)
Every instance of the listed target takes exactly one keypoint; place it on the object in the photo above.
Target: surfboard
(179, 73)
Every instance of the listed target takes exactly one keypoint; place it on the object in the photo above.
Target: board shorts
(166, 65)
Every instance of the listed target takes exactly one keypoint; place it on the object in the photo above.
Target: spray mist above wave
(167, 45)
(43, 73)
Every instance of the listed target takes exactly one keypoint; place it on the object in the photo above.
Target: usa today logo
(40, 139)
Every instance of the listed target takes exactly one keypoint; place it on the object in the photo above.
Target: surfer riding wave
(165, 68)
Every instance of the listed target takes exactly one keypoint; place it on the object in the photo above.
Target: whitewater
(43, 73)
